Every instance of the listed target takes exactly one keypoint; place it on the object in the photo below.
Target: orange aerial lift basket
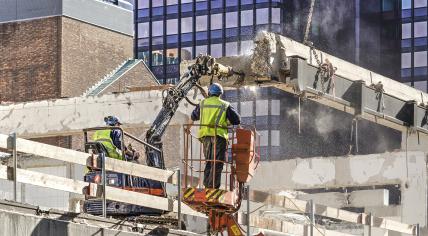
(240, 162)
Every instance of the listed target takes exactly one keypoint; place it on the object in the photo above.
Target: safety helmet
(112, 120)
(215, 89)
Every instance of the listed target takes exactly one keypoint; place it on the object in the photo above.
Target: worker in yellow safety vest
(110, 138)
(214, 114)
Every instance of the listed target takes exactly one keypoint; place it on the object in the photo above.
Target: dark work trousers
(220, 150)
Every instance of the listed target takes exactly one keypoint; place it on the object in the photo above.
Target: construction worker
(110, 138)
(214, 115)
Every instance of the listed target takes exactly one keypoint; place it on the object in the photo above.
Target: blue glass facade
(414, 45)
(173, 30)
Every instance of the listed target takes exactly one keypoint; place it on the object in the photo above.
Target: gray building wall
(90, 11)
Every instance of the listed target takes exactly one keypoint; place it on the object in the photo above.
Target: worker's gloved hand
(130, 148)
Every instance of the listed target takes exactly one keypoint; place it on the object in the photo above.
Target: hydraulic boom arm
(204, 65)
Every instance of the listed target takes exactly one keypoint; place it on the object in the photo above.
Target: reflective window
(186, 7)
(186, 37)
(420, 59)
(247, 47)
(202, 49)
(157, 28)
(172, 56)
(215, 34)
(420, 29)
(262, 107)
(143, 13)
(171, 39)
(172, 26)
(406, 60)
(420, 42)
(157, 40)
(420, 3)
(186, 25)
(144, 55)
(261, 1)
(143, 30)
(143, 4)
(406, 72)
(157, 11)
(231, 3)
(406, 30)
(186, 53)
(157, 3)
(186, 1)
(246, 2)
(233, 32)
(276, 15)
(232, 49)
(275, 108)
(264, 138)
(216, 4)
(275, 138)
(231, 19)
(201, 23)
(406, 13)
(216, 21)
(217, 50)
(246, 109)
(247, 18)
(157, 58)
(405, 43)
(202, 35)
(143, 42)
(420, 71)
(246, 30)
(201, 6)
(172, 9)
(420, 12)
(406, 4)
(171, 2)
(262, 16)
(421, 85)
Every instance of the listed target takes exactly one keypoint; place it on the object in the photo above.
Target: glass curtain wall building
(173, 30)
(414, 43)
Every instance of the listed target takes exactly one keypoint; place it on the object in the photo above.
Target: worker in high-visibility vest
(214, 114)
(110, 138)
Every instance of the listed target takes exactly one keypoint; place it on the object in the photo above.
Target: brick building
(53, 49)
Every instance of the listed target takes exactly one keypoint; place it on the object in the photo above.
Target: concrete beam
(71, 115)
(331, 199)
(22, 220)
(336, 172)
(364, 198)
(398, 168)
(361, 198)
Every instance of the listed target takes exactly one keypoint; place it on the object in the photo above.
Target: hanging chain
(309, 22)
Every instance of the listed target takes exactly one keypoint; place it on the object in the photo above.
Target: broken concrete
(271, 47)
(68, 116)
(407, 170)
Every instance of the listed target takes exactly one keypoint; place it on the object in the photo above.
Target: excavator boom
(204, 65)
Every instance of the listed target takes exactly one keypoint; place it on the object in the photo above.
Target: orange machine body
(221, 204)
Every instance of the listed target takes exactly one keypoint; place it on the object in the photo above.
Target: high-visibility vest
(103, 136)
(212, 115)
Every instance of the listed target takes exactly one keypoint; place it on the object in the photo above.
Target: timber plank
(115, 194)
(82, 158)
(304, 207)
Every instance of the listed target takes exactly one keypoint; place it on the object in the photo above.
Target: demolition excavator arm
(204, 65)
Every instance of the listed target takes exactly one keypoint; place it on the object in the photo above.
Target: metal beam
(355, 94)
